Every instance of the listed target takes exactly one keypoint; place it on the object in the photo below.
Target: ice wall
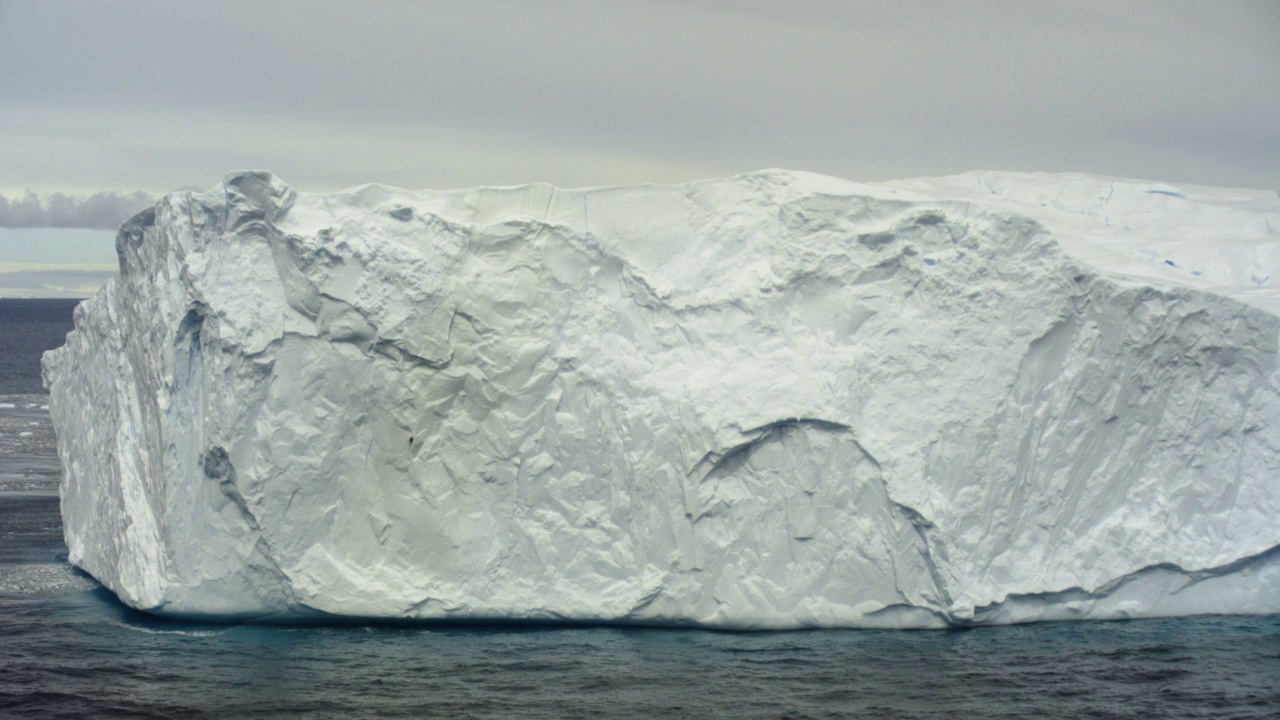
(776, 400)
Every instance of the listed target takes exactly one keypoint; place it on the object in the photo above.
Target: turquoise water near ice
(69, 649)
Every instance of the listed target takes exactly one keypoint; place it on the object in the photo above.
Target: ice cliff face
(777, 400)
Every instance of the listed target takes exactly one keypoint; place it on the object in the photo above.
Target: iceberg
(778, 400)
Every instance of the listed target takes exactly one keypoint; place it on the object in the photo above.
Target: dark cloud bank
(100, 211)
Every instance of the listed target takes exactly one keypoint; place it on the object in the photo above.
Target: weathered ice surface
(771, 401)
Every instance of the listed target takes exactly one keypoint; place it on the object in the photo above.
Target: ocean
(68, 648)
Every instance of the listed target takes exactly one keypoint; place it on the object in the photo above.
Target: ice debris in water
(771, 401)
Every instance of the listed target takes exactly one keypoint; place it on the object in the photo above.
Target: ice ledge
(1251, 586)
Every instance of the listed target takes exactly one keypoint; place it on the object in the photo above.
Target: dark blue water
(27, 329)
(69, 649)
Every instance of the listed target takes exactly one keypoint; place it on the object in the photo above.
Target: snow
(771, 401)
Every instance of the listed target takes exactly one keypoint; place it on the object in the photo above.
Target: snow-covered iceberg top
(770, 401)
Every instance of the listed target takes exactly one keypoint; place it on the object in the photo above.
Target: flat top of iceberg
(1210, 238)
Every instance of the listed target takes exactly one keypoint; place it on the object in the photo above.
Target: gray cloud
(101, 211)
(153, 94)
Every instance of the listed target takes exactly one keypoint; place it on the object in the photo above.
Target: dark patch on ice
(879, 239)
(189, 328)
(217, 466)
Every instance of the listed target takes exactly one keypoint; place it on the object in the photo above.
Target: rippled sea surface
(27, 329)
(69, 649)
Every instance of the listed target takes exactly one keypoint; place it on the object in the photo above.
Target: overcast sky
(145, 95)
